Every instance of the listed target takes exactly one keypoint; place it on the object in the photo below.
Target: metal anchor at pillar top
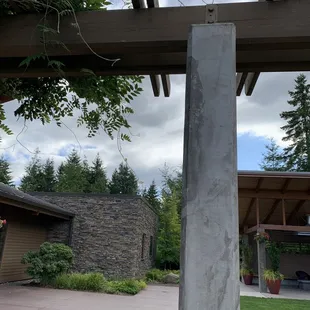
(211, 13)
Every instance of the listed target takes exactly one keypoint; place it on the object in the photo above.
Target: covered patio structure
(278, 203)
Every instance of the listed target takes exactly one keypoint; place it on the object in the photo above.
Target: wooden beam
(273, 208)
(165, 78)
(241, 77)
(271, 36)
(248, 212)
(257, 212)
(286, 185)
(250, 82)
(283, 212)
(296, 210)
(153, 3)
(252, 229)
(286, 228)
(274, 194)
(155, 84)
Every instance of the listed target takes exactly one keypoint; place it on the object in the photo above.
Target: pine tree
(124, 181)
(5, 172)
(151, 196)
(297, 129)
(49, 177)
(98, 177)
(32, 181)
(273, 159)
(71, 175)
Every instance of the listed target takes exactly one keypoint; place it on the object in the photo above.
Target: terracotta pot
(274, 286)
(248, 279)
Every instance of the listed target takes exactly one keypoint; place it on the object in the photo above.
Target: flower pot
(274, 286)
(248, 279)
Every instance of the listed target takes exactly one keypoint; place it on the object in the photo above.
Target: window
(143, 245)
(151, 246)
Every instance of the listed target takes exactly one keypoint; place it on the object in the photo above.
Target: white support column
(261, 262)
(210, 230)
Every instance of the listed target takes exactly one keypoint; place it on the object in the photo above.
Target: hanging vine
(101, 102)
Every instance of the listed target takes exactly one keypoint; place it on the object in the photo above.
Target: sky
(157, 128)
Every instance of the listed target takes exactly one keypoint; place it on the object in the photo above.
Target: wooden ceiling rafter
(258, 185)
(298, 206)
(272, 36)
(155, 80)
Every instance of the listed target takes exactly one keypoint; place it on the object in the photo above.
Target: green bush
(130, 286)
(93, 282)
(157, 275)
(51, 260)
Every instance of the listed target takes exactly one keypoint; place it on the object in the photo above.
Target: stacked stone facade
(112, 234)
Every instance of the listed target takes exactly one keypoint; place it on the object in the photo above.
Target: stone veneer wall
(106, 233)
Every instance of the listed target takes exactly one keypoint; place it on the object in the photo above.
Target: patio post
(210, 233)
(261, 262)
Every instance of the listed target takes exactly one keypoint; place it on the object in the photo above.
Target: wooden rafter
(271, 36)
(155, 80)
(274, 194)
(277, 201)
(241, 77)
(279, 227)
(258, 185)
(250, 82)
(273, 208)
(296, 210)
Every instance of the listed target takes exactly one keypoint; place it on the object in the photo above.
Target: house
(111, 234)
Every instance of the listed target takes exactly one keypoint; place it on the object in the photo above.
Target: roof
(271, 188)
(17, 198)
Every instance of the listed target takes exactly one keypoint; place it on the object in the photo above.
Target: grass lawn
(249, 303)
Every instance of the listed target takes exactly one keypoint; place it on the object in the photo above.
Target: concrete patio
(14, 297)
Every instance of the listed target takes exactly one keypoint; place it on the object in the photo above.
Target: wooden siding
(290, 263)
(20, 238)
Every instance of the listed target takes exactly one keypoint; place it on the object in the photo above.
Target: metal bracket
(211, 13)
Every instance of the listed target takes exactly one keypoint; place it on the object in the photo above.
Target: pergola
(222, 48)
(273, 201)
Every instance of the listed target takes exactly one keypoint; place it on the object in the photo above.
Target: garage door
(20, 238)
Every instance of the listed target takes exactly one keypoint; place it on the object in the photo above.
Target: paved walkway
(153, 298)
(32, 298)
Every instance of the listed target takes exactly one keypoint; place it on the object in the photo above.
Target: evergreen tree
(297, 129)
(98, 177)
(169, 235)
(49, 177)
(151, 196)
(5, 172)
(71, 175)
(32, 181)
(124, 181)
(273, 159)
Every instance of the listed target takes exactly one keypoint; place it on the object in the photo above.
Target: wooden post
(261, 262)
(283, 212)
(257, 212)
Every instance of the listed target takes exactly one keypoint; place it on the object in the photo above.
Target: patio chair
(302, 275)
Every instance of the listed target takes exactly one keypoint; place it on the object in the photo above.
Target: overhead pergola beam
(278, 227)
(250, 82)
(274, 194)
(273, 208)
(155, 80)
(271, 36)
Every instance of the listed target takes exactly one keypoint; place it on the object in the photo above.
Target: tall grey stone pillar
(210, 232)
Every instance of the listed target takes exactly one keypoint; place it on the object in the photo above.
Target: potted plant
(246, 271)
(272, 276)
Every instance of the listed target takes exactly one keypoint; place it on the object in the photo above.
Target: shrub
(130, 286)
(93, 282)
(51, 260)
(157, 275)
